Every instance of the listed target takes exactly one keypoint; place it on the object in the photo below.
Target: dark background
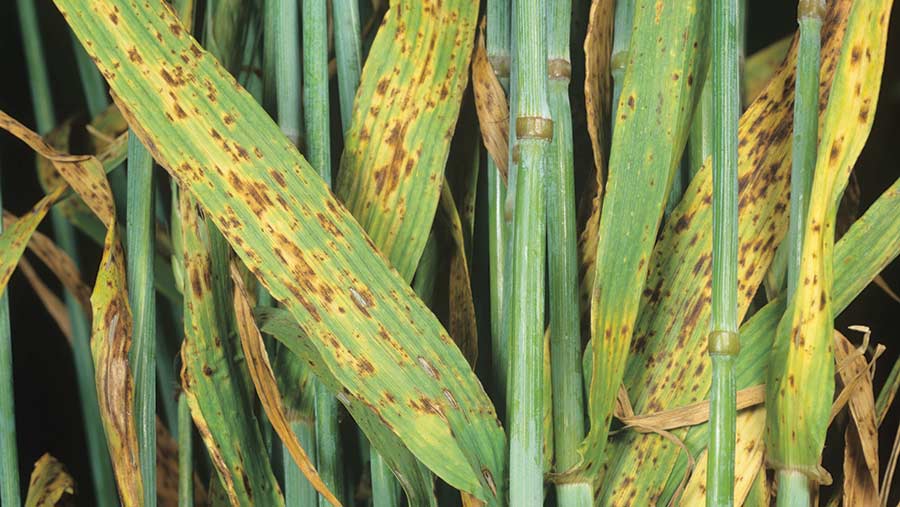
(48, 417)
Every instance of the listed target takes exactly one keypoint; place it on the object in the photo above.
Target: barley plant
(451, 252)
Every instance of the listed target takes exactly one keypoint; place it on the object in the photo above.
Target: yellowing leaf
(296, 239)
(404, 114)
(50, 484)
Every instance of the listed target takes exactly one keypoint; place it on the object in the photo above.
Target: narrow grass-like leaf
(111, 328)
(140, 236)
(212, 378)
(9, 466)
(261, 193)
(57, 261)
(750, 425)
(800, 383)
(598, 83)
(266, 386)
(599, 103)
(348, 54)
(462, 326)
(50, 484)
(405, 111)
(185, 454)
(110, 343)
(667, 364)
(861, 470)
(664, 40)
(413, 476)
(761, 66)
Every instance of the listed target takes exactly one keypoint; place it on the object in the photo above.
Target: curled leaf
(50, 484)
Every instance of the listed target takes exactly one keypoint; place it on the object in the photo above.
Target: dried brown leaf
(861, 435)
(462, 325)
(492, 107)
(267, 388)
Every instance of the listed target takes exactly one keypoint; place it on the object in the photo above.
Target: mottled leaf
(212, 377)
(304, 247)
(404, 115)
(801, 369)
(461, 320)
(664, 43)
(50, 484)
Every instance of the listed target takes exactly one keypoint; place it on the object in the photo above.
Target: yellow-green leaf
(801, 371)
(50, 484)
(404, 115)
(296, 239)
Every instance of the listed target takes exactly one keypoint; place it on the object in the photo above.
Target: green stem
(385, 488)
(562, 262)
(91, 80)
(497, 46)
(95, 439)
(724, 342)
(298, 492)
(534, 130)
(38, 81)
(140, 237)
(9, 460)
(315, 86)
(185, 455)
(328, 444)
(805, 140)
(316, 109)
(793, 489)
(282, 19)
(348, 54)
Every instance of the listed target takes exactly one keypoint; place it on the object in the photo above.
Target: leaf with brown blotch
(305, 248)
(267, 387)
(404, 115)
(801, 368)
(598, 81)
(16, 235)
(747, 466)
(598, 97)
(861, 434)
(761, 67)
(83, 173)
(110, 343)
(213, 376)
(492, 107)
(462, 325)
(111, 327)
(50, 484)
